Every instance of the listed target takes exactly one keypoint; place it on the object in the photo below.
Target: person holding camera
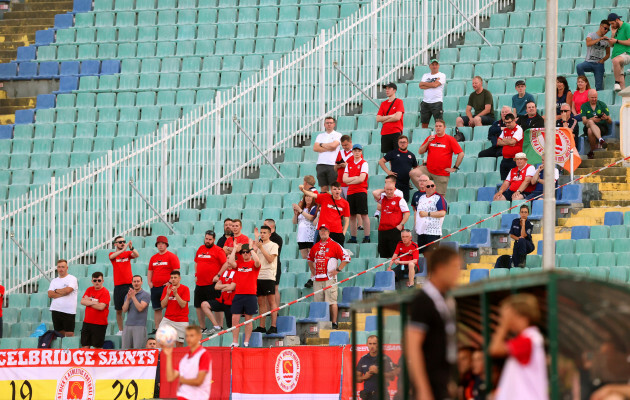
(595, 117)
(367, 370)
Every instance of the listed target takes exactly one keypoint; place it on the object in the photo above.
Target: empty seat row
(53, 69)
(85, 130)
(129, 99)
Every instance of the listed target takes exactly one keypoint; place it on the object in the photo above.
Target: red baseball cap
(162, 239)
(323, 226)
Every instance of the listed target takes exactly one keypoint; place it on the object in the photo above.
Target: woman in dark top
(563, 94)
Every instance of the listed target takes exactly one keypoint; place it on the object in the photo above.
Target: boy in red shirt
(345, 153)
(356, 177)
(121, 262)
(210, 262)
(175, 298)
(160, 267)
(245, 301)
(96, 301)
(410, 261)
(390, 114)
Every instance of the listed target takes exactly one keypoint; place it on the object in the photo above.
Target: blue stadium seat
(478, 274)
(570, 194)
(27, 70)
(48, 69)
(318, 311)
(339, 338)
(82, 6)
(613, 218)
(90, 67)
(580, 232)
(479, 237)
(26, 53)
(537, 210)
(45, 101)
(6, 131)
(45, 37)
(8, 71)
(24, 116)
(370, 323)
(286, 326)
(383, 280)
(110, 67)
(351, 294)
(69, 68)
(254, 341)
(486, 193)
(63, 21)
(506, 223)
(67, 84)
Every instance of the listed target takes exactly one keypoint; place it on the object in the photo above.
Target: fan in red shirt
(237, 237)
(245, 301)
(511, 141)
(407, 262)
(210, 262)
(390, 114)
(160, 267)
(96, 301)
(174, 299)
(121, 262)
(340, 164)
(394, 215)
(356, 177)
(334, 211)
(440, 148)
(222, 304)
(518, 183)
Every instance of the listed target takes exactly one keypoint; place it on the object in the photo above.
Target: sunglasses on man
(430, 186)
(97, 280)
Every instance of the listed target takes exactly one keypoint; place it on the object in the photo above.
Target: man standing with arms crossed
(390, 114)
(210, 263)
(356, 177)
(394, 215)
(401, 161)
(136, 305)
(96, 301)
(327, 145)
(160, 267)
(433, 85)
(121, 262)
(63, 291)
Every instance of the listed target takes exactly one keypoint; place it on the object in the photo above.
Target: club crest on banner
(75, 384)
(563, 144)
(287, 370)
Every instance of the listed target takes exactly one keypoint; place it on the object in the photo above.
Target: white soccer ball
(166, 336)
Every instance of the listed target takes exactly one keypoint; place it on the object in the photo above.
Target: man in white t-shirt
(63, 292)
(433, 85)
(327, 145)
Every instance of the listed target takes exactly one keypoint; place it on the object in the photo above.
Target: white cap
(520, 155)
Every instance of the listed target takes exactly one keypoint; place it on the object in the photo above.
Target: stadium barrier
(183, 162)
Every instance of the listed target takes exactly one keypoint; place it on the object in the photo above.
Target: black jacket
(526, 123)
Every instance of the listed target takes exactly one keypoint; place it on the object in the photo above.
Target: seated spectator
(595, 117)
(244, 303)
(440, 148)
(520, 99)
(521, 232)
(390, 114)
(493, 135)
(481, 101)
(518, 184)
(620, 41)
(433, 85)
(597, 52)
(429, 219)
(565, 120)
(96, 301)
(304, 214)
(175, 299)
(401, 161)
(345, 152)
(539, 180)
(394, 215)
(531, 119)
(327, 145)
(580, 96)
(563, 94)
(511, 141)
(409, 262)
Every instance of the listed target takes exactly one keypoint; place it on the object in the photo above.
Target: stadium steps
(8, 106)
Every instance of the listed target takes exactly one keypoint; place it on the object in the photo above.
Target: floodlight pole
(549, 202)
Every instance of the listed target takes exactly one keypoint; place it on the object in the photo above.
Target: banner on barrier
(220, 387)
(62, 374)
(393, 351)
(297, 373)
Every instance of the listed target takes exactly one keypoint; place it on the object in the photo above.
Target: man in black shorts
(356, 177)
(267, 252)
(327, 145)
(63, 291)
(277, 239)
(123, 276)
(210, 263)
(96, 301)
(390, 114)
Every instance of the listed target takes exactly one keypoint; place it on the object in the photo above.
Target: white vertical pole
(53, 214)
(322, 77)
(549, 202)
(218, 134)
(425, 31)
(270, 127)
(164, 175)
(110, 200)
(374, 47)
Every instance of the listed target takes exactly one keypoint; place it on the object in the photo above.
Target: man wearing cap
(433, 85)
(493, 135)
(394, 216)
(356, 177)
(401, 161)
(518, 183)
(160, 267)
(327, 145)
(390, 114)
(440, 148)
(520, 99)
(210, 263)
(481, 101)
(511, 140)
(323, 261)
(620, 41)
(597, 52)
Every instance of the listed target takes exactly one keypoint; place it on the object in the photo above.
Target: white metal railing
(185, 161)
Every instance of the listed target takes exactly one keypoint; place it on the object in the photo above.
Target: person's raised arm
(134, 252)
(307, 193)
(498, 345)
(171, 374)
(269, 257)
(231, 260)
(424, 147)
(256, 259)
(164, 301)
(377, 194)
(125, 307)
(140, 305)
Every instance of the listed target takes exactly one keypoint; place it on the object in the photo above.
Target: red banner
(220, 388)
(393, 351)
(297, 373)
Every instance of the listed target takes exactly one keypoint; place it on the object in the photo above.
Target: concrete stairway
(8, 107)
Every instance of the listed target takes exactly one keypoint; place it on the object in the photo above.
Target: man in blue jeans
(597, 52)
(521, 233)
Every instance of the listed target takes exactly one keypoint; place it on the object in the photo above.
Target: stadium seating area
(188, 50)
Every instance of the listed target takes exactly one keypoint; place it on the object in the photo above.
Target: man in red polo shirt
(511, 143)
(210, 262)
(246, 278)
(175, 298)
(518, 183)
(334, 211)
(440, 148)
(394, 215)
(408, 262)
(96, 301)
(390, 114)
(160, 267)
(121, 262)
(237, 237)
(356, 177)
(345, 153)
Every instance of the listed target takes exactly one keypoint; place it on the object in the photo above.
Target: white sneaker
(234, 345)
(245, 344)
(119, 333)
(617, 87)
